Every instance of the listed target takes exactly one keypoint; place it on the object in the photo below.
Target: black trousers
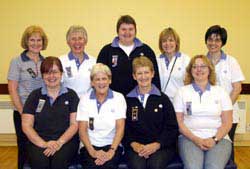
(89, 163)
(60, 160)
(22, 141)
(158, 160)
(231, 134)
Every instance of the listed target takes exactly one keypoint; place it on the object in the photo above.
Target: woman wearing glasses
(228, 71)
(24, 76)
(49, 120)
(204, 118)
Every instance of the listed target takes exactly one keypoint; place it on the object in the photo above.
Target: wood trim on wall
(245, 89)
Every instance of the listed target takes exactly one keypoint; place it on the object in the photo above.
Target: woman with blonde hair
(204, 118)
(23, 77)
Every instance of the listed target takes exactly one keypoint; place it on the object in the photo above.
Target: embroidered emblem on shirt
(179, 68)
(216, 102)
(114, 60)
(141, 54)
(134, 114)
(68, 71)
(40, 105)
(189, 108)
(225, 71)
(66, 102)
(112, 110)
(155, 110)
(32, 73)
(160, 106)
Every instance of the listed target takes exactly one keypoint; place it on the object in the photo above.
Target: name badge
(91, 123)
(68, 71)
(114, 60)
(134, 114)
(40, 105)
(189, 108)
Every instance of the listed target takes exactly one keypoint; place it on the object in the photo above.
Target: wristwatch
(215, 139)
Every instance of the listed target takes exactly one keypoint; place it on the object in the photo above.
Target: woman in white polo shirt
(171, 62)
(101, 115)
(204, 115)
(228, 72)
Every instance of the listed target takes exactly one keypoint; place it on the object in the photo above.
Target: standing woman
(49, 120)
(23, 77)
(171, 62)
(228, 71)
(77, 64)
(120, 54)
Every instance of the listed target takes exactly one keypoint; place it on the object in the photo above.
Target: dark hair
(218, 30)
(48, 62)
(125, 19)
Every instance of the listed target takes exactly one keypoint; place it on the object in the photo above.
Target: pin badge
(134, 114)
(40, 105)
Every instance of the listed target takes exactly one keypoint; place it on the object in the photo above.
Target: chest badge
(114, 60)
(134, 113)
(40, 105)
(69, 71)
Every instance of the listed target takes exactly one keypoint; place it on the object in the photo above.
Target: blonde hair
(142, 61)
(169, 32)
(100, 67)
(211, 76)
(29, 31)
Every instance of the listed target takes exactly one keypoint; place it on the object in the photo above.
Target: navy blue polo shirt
(51, 117)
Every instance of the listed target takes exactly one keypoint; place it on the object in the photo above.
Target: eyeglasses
(216, 40)
(52, 72)
(202, 67)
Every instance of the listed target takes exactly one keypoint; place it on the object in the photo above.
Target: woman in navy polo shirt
(101, 114)
(49, 120)
(151, 127)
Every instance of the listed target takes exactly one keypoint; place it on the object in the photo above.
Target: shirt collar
(25, 58)
(198, 89)
(115, 43)
(72, 57)
(135, 92)
(223, 55)
(63, 89)
(109, 96)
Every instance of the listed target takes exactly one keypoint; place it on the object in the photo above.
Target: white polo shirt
(202, 111)
(228, 71)
(77, 77)
(177, 75)
(104, 119)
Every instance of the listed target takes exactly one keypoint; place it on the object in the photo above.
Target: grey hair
(100, 67)
(77, 28)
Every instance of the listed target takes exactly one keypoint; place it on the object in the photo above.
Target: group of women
(126, 99)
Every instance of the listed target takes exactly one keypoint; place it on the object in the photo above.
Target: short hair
(48, 62)
(29, 31)
(217, 30)
(167, 32)
(142, 61)
(100, 68)
(125, 19)
(77, 28)
(211, 76)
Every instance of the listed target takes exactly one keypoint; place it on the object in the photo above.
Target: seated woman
(101, 114)
(49, 120)
(151, 126)
(204, 114)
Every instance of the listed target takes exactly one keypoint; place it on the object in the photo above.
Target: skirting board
(10, 139)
